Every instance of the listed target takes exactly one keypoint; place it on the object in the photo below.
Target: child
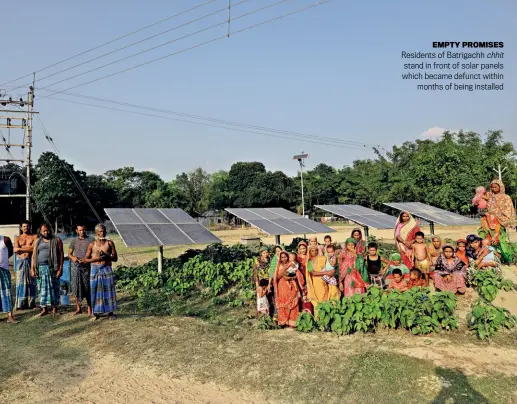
(374, 266)
(330, 266)
(398, 282)
(422, 255)
(262, 302)
(435, 249)
(415, 279)
(293, 264)
(395, 262)
(461, 251)
(480, 200)
(489, 254)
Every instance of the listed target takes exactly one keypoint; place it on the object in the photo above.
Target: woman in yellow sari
(316, 286)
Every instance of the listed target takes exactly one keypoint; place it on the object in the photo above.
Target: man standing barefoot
(47, 267)
(6, 298)
(25, 283)
(80, 271)
(101, 253)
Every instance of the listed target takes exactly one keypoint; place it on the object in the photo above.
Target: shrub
(488, 283)
(486, 319)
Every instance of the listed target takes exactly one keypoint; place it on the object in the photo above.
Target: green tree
(194, 189)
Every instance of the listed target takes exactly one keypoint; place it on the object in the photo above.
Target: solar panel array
(433, 214)
(361, 215)
(158, 227)
(278, 221)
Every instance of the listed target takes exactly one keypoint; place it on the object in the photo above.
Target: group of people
(289, 283)
(40, 260)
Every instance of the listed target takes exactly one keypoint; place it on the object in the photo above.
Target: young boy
(395, 262)
(398, 282)
(422, 255)
(375, 266)
(415, 279)
(330, 266)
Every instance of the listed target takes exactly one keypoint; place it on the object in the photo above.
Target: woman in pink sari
(353, 276)
(302, 261)
(288, 291)
(360, 244)
(405, 231)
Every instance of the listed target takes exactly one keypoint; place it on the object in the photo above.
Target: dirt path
(111, 380)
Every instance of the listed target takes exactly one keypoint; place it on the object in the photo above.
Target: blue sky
(333, 71)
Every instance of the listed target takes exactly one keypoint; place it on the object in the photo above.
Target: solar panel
(278, 221)
(361, 215)
(158, 227)
(433, 214)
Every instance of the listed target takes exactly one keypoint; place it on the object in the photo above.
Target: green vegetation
(486, 319)
(488, 283)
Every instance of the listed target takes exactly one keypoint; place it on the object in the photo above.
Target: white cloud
(433, 133)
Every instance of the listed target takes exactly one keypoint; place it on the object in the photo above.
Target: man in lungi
(6, 298)
(25, 283)
(101, 253)
(80, 272)
(47, 268)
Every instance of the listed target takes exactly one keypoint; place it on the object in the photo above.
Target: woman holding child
(500, 215)
(318, 290)
(289, 286)
(450, 271)
(405, 234)
(353, 275)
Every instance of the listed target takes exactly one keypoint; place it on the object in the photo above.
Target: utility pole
(301, 158)
(500, 171)
(19, 119)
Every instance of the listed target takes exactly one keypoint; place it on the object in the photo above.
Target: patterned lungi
(48, 287)
(25, 285)
(6, 298)
(377, 280)
(104, 299)
(80, 282)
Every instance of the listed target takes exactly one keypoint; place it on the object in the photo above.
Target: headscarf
(405, 230)
(501, 205)
(447, 267)
(462, 255)
(471, 253)
(262, 267)
(396, 257)
(349, 241)
(432, 249)
(279, 266)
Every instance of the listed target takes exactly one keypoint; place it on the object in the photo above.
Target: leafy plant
(486, 319)
(488, 283)
(265, 322)
(305, 322)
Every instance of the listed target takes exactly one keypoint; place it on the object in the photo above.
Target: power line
(311, 139)
(112, 41)
(168, 42)
(72, 176)
(131, 45)
(209, 119)
(194, 46)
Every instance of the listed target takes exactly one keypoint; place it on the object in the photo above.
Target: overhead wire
(112, 41)
(72, 176)
(197, 45)
(136, 43)
(311, 139)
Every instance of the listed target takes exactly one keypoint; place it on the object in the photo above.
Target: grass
(211, 343)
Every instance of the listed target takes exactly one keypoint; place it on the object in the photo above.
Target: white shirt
(4, 254)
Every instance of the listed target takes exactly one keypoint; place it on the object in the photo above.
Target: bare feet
(79, 311)
(44, 312)
(95, 318)
(54, 312)
(11, 319)
(112, 316)
(89, 311)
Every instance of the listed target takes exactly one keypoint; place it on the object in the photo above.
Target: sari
(462, 255)
(500, 216)
(456, 269)
(316, 285)
(407, 232)
(352, 273)
(360, 245)
(302, 260)
(288, 293)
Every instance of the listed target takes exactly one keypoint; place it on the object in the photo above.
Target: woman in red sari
(302, 261)
(405, 231)
(360, 244)
(353, 276)
(288, 292)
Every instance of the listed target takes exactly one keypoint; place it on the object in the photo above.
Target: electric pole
(500, 171)
(301, 158)
(19, 119)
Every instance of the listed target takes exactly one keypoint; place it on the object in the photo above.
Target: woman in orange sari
(318, 291)
(288, 292)
(499, 218)
(302, 260)
(405, 233)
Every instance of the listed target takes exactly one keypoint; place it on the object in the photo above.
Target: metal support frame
(277, 239)
(160, 259)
